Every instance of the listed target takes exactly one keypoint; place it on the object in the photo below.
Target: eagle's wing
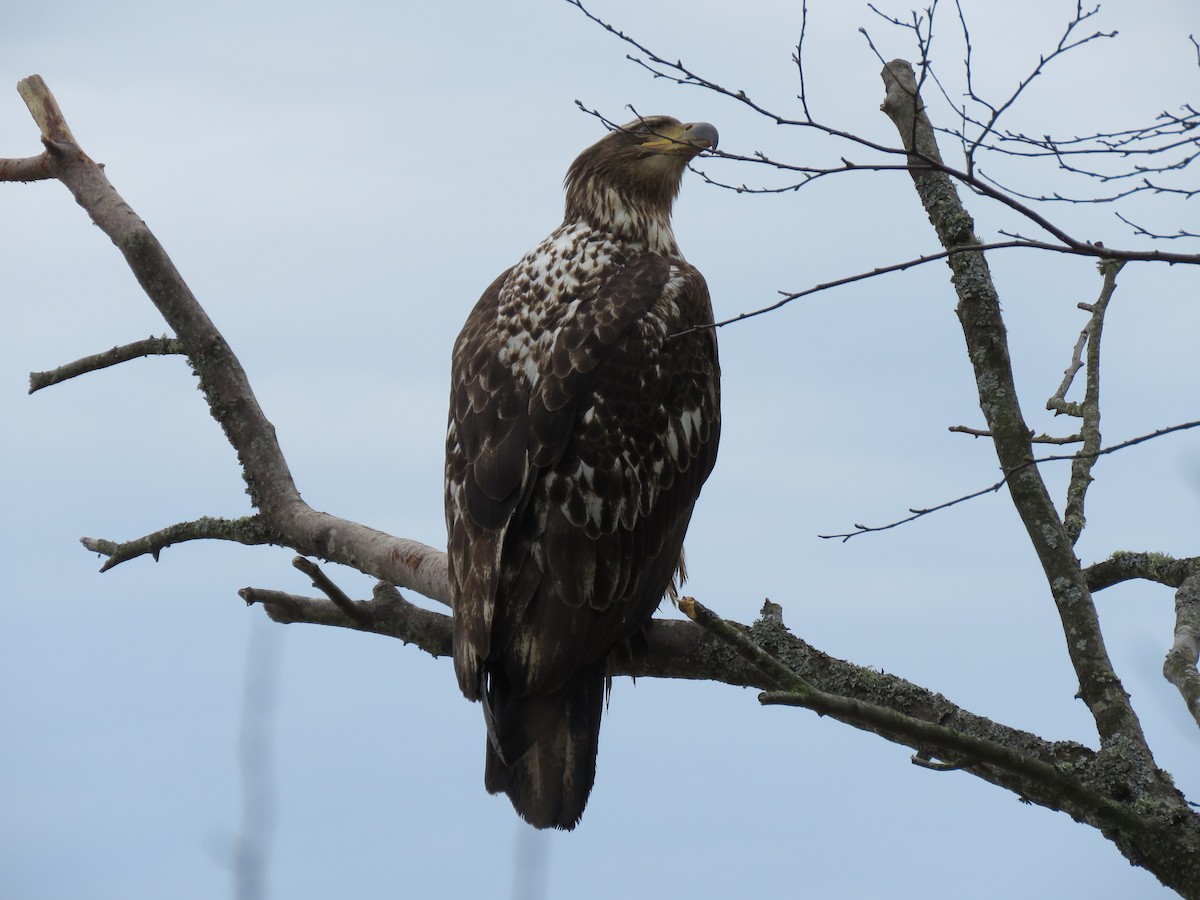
(569, 495)
(486, 466)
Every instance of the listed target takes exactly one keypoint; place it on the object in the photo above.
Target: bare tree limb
(223, 381)
(386, 613)
(1125, 566)
(151, 346)
(1088, 409)
(338, 597)
(1034, 438)
(249, 530)
(1065, 45)
(33, 168)
(1180, 665)
(987, 346)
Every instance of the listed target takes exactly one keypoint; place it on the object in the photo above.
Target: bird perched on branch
(584, 418)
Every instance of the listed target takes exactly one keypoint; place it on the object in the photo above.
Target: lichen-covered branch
(1180, 665)
(987, 346)
(1021, 759)
(677, 649)
(1152, 841)
(1088, 409)
(247, 530)
(1126, 566)
(151, 346)
(1147, 818)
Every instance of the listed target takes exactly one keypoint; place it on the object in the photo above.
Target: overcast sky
(338, 187)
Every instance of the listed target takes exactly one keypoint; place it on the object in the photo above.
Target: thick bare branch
(33, 168)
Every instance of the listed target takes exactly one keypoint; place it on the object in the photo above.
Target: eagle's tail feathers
(542, 749)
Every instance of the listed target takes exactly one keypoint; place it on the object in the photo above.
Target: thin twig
(1033, 438)
(678, 72)
(1022, 242)
(919, 513)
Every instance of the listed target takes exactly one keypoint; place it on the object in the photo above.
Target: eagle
(584, 419)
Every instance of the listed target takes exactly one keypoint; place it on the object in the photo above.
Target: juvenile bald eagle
(584, 418)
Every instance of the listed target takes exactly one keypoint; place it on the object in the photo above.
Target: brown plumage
(582, 426)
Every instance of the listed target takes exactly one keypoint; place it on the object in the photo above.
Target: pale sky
(338, 187)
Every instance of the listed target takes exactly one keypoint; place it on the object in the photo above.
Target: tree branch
(151, 346)
(1125, 566)
(679, 73)
(1180, 665)
(222, 379)
(1099, 788)
(1063, 776)
(249, 530)
(337, 596)
(1088, 410)
(1038, 439)
(33, 168)
(987, 347)
(283, 514)
(386, 613)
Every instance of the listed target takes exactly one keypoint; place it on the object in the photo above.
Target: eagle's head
(627, 180)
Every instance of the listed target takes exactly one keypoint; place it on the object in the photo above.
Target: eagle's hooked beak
(686, 139)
